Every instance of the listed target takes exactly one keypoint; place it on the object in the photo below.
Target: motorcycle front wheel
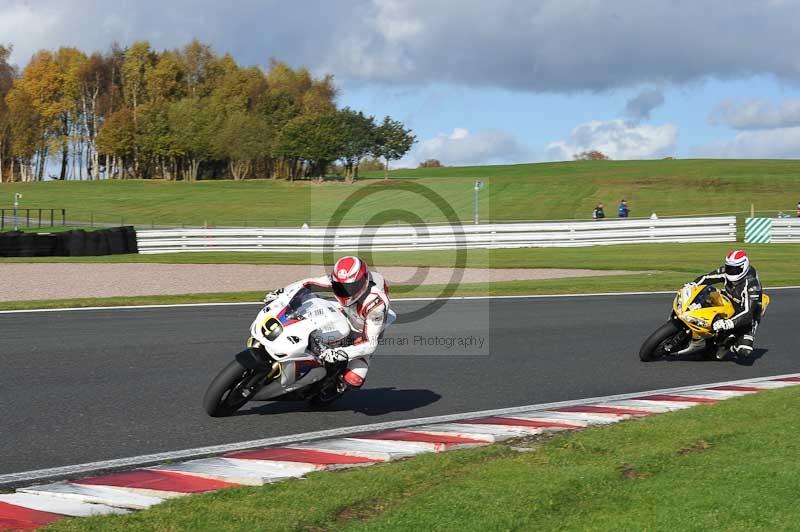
(653, 347)
(229, 391)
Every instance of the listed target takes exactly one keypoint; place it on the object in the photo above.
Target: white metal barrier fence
(433, 237)
(785, 230)
(772, 231)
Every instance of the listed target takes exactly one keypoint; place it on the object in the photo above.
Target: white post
(478, 187)
(17, 196)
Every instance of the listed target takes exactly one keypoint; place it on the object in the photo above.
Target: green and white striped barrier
(758, 230)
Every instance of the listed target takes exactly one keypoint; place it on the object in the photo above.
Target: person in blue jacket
(623, 210)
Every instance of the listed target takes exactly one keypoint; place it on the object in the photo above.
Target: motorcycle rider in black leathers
(743, 288)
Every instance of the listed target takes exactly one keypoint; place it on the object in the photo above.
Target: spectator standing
(598, 213)
(623, 210)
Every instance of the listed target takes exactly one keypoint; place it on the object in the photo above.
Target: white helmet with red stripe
(349, 280)
(737, 264)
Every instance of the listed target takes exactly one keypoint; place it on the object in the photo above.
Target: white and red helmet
(737, 264)
(349, 280)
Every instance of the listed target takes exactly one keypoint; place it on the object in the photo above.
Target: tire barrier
(77, 243)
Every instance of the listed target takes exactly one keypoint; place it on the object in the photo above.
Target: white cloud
(757, 114)
(22, 27)
(462, 147)
(543, 45)
(780, 143)
(619, 139)
(558, 45)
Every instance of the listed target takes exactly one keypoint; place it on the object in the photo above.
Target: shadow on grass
(370, 402)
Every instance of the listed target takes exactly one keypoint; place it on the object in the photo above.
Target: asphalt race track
(82, 386)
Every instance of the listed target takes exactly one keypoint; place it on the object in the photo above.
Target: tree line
(183, 114)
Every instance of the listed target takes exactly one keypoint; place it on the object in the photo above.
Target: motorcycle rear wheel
(653, 348)
(224, 395)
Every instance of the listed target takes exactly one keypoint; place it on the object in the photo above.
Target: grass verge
(546, 191)
(580, 285)
(674, 264)
(729, 466)
(772, 260)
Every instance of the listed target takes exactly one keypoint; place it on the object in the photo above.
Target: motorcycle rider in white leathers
(364, 298)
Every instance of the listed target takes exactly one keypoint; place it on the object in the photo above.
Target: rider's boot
(729, 346)
(744, 347)
(356, 373)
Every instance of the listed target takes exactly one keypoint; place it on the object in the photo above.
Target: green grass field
(775, 262)
(731, 466)
(546, 191)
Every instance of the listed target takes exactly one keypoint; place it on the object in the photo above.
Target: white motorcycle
(280, 362)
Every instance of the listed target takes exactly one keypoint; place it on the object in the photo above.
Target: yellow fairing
(699, 319)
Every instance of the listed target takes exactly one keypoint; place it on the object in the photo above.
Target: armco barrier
(757, 230)
(772, 230)
(430, 237)
(69, 243)
(786, 230)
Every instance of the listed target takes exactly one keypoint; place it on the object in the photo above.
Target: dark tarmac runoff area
(89, 385)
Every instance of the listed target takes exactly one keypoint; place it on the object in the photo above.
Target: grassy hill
(567, 190)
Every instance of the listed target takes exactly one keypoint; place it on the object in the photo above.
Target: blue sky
(496, 82)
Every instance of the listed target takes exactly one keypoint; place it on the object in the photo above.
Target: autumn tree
(187, 113)
(591, 155)
(37, 103)
(163, 81)
(69, 134)
(27, 132)
(155, 142)
(116, 140)
(431, 163)
(371, 164)
(135, 71)
(393, 141)
(277, 108)
(312, 142)
(95, 79)
(7, 75)
(359, 137)
(243, 139)
(193, 128)
(200, 69)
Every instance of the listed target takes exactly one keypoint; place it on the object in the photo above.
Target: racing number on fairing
(271, 328)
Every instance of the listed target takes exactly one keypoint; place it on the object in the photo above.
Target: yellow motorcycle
(690, 325)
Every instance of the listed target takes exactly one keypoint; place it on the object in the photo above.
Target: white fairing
(305, 321)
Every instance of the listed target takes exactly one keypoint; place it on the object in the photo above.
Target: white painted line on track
(398, 299)
(133, 307)
(307, 439)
